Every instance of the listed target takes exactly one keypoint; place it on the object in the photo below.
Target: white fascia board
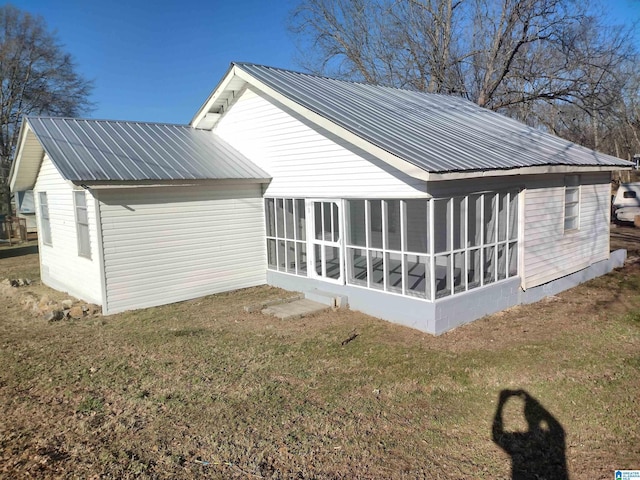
(105, 184)
(217, 91)
(535, 170)
(397, 162)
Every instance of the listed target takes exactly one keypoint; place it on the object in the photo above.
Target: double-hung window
(82, 223)
(45, 222)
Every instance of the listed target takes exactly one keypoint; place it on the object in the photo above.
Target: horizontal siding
(164, 245)
(303, 161)
(61, 266)
(549, 252)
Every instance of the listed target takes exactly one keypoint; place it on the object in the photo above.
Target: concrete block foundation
(449, 312)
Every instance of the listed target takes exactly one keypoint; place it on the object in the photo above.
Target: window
(629, 194)
(286, 235)
(432, 248)
(571, 203)
(44, 218)
(82, 223)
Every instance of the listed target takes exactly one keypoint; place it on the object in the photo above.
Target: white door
(325, 240)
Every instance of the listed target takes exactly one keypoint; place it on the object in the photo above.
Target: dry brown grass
(203, 389)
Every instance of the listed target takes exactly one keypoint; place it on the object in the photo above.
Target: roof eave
(107, 184)
(532, 170)
(213, 96)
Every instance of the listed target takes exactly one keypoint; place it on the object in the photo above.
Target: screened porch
(424, 248)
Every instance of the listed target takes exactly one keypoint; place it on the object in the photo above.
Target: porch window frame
(501, 265)
(298, 237)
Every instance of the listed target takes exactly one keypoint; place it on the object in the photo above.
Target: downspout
(100, 255)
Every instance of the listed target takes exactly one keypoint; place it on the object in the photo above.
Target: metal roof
(437, 133)
(104, 150)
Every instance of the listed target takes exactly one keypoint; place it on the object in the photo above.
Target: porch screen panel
(289, 231)
(416, 226)
(285, 225)
(280, 218)
(357, 223)
(300, 220)
(393, 225)
(375, 223)
(513, 215)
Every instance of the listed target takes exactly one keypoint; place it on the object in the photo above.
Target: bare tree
(37, 77)
(540, 61)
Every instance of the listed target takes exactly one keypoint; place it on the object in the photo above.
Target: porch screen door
(326, 251)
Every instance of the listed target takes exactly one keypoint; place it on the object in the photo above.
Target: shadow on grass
(18, 251)
(539, 452)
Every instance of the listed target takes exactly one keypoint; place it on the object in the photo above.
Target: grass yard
(202, 389)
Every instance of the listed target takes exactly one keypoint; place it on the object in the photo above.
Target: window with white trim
(45, 221)
(285, 220)
(571, 202)
(82, 223)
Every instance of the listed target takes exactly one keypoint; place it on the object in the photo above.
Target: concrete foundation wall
(450, 312)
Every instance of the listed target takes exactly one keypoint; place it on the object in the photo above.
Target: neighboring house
(25, 208)
(422, 209)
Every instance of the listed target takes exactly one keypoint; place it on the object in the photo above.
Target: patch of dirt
(627, 237)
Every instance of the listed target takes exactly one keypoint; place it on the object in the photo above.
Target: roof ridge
(355, 82)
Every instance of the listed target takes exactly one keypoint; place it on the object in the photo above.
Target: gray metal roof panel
(437, 133)
(103, 150)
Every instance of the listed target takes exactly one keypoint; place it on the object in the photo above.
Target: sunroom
(422, 248)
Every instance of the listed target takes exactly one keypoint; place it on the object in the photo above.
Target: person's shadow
(539, 452)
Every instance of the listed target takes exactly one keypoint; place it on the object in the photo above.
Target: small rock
(54, 316)
(27, 281)
(76, 312)
(15, 283)
(66, 313)
(93, 309)
(44, 301)
(67, 303)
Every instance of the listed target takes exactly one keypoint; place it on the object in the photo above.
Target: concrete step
(332, 300)
(295, 309)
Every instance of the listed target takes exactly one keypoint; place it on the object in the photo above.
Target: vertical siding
(60, 265)
(549, 252)
(168, 244)
(303, 161)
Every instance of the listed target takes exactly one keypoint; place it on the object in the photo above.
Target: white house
(422, 209)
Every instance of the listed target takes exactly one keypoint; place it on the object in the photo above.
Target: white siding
(305, 161)
(549, 252)
(167, 244)
(60, 265)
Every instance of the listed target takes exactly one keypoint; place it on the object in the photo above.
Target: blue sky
(159, 60)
